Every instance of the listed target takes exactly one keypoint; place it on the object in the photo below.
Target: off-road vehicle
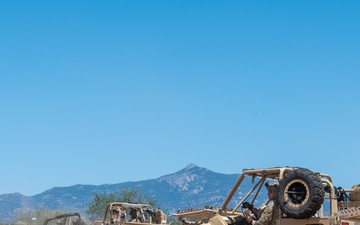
(66, 219)
(123, 213)
(304, 197)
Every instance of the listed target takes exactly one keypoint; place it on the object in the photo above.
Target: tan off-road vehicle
(123, 213)
(304, 197)
(66, 219)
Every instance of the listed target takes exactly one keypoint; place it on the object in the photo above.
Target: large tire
(300, 193)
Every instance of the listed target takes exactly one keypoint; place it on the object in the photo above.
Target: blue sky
(96, 92)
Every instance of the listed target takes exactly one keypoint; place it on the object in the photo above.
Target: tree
(97, 206)
(36, 217)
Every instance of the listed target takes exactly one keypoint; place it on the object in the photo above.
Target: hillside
(189, 187)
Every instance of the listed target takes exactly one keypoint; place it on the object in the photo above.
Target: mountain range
(190, 187)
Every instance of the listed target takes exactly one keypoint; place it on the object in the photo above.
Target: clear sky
(99, 92)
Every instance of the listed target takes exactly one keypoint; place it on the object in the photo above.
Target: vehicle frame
(340, 212)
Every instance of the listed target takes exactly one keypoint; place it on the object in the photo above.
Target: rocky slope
(189, 187)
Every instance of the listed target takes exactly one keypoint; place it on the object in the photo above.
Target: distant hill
(189, 187)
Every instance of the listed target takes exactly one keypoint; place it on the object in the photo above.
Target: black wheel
(300, 193)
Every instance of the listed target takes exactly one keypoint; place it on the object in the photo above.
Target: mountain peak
(191, 177)
(190, 166)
